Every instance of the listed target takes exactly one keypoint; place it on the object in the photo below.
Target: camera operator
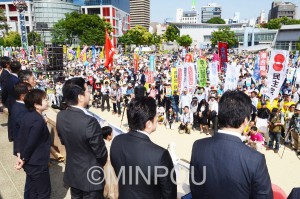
(105, 90)
(295, 128)
(116, 95)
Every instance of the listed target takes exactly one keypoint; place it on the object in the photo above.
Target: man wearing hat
(295, 128)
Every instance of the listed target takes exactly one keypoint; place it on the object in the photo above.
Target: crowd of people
(27, 94)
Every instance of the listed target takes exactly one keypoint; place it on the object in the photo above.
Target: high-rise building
(140, 13)
(210, 11)
(12, 15)
(261, 19)
(48, 12)
(281, 9)
(114, 12)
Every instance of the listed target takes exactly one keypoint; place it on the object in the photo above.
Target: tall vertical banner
(202, 72)
(213, 75)
(231, 78)
(179, 78)
(196, 73)
(93, 53)
(83, 52)
(277, 72)
(174, 79)
(263, 59)
(78, 52)
(152, 62)
(150, 77)
(136, 62)
(191, 77)
(223, 48)
(256, 72)
(290, 74)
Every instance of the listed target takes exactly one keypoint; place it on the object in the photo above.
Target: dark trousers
(37, 184)
(215, 124)
(78, 194)
(276, 137)
(117, 107)
(105, 98)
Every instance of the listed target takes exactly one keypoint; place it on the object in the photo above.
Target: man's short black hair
(140, 110)
(15, 66)
(253, 128)
(72, 88)
(106, 131)
(234, 107)
(22, 88)
(4, 61)
(35, 96)
(24, 75)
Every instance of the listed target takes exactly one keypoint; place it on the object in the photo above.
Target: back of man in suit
(222, 166)
(145, 169)
(13, 79)
(4, 75)
(81, 134)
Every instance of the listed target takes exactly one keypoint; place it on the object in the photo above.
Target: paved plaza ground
(284, 170)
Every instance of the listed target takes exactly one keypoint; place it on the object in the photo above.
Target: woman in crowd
(34, 144)
(203, 110)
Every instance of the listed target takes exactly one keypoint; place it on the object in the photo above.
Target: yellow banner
(64, 49)
(78, 52)
(84, 57)
(174, 79)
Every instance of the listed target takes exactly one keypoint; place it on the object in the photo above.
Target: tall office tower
(210, 11)
(140, 13)
(281, 9)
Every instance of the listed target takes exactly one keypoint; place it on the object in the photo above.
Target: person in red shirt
(256, 140)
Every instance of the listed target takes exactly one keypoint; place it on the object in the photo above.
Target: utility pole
(21, 6)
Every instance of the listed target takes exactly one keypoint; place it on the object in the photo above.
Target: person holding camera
(186, 120)
(105, 90)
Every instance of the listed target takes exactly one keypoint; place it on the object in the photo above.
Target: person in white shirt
(295, 95)
(185, 99)
(186, 120)
(105, 90)
(254, 98)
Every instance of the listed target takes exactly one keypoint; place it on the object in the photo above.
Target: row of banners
(189, 74)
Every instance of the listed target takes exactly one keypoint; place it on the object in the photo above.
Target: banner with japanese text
(152, 62)
(191, 77)
(150, 77)
(186, 77)
(180, 78)
(277, 72)
(174, 79)
(263, 62)
(256, 72)
(231, 79)
(223, 49)
(202, 72)
(213, 74)
(290, 74)
(136, 62)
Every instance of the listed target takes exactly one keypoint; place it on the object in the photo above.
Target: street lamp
(21, 6)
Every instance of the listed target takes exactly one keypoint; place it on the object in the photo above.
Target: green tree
(12, 39)
(125, 39)
(90, 29)
(276, 23)
(34, 38)
(216, 20)
(3, 25)
(298, 44)
(156, 39)
(138, 36)
(185, 40)
(225, 35)
(172, 33)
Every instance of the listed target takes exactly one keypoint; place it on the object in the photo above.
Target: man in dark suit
(222, 166)
(145, 170)
(4, 75)
(13, 79)
(81, 134)
(17, 112)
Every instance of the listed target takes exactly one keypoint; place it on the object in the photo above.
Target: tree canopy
(184, 40)
(216, 20)
(90, 29)
(276, 23)
(225, 35)
(172, 33)
(12, 39)
(34, 38)
(138, 36)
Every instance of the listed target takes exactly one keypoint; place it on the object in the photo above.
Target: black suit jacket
(34, 139)
(136, 149)
(17, 112)
(85, 148)
(233, 170)
(9, 91)
(3, 80)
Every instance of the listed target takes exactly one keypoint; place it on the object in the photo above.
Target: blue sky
(161, 9)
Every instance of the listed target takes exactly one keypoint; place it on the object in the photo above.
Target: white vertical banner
(213, 75)
(192, 81)
(231, 78)
(277, 72)
(186, 77)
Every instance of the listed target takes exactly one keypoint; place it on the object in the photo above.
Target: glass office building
(120, 4)
(48, 12)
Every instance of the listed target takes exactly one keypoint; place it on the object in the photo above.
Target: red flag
(109, 52)
(223, 48)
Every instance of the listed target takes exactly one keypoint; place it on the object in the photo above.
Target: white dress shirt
(231, 133)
